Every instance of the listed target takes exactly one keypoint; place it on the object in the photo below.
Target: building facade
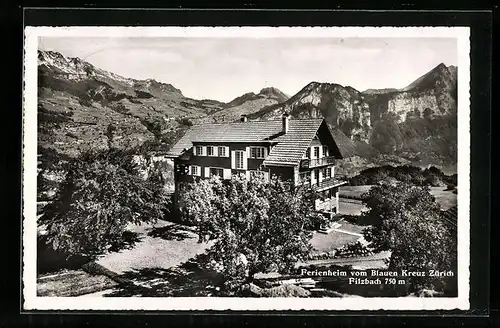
(301, 150)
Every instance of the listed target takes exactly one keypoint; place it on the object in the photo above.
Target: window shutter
(265, 152)
(312, 153)
(226, 152)
(312, 176)
(189, 170)
(204, 150)
(233, 159)
(333, 171)
(245, 158)
(194, 150)
(227, 174)
(320, 176)
(207, 172)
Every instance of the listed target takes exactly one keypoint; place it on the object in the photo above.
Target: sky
(225, 68)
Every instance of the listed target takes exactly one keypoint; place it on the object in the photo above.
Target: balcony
(311, 163)
(323, 185)
(328, 183)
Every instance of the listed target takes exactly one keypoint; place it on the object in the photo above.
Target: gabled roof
(293, 145)
(289, 149)
(251, 131)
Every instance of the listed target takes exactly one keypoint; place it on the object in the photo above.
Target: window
(210, 151)
(316, 175)
(222, 151)
(327, 172)
(199, 150)
(325, 151)
(239, 159)
(316, 152)
(195, 170)
(257, 152)
(216, 171)
(308, 153)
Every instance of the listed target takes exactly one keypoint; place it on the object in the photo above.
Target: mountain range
(78, 101)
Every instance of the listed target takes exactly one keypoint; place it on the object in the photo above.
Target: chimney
(244, 118)
(285, 120)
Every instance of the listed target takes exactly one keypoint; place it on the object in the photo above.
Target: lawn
(353, 192)
(327, 242)
(446, 198)
(161, 245)
(350, 206)
(354, 228)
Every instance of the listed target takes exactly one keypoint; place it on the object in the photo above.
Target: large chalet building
(301, 150)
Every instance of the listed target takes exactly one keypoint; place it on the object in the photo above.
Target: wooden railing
(310, 163)
(329, 182)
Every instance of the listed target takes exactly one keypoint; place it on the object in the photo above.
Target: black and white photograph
(246, 168)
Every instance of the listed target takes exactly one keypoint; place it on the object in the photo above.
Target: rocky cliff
(78, 103)
(417, 122)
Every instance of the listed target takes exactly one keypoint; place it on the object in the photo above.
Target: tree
(101, 194)
(407, 221)
(257, 226)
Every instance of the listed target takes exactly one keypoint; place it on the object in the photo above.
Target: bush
(407, 221)
(257, 226)
(184, 121)
(102, 192)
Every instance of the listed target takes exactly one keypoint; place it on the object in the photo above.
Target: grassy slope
(446, 198)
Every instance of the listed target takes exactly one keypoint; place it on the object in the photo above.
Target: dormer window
(316, 152)
(198, 150)
(210, 151)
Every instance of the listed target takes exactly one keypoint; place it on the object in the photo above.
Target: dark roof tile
(289, 149)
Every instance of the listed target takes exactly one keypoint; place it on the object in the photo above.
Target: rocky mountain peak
(273, 92)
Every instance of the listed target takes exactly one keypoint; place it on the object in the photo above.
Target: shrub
(102, 192)
(258, 226)
(407, 221)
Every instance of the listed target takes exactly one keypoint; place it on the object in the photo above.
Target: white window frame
(224, 151)
(214, 154)
(258, 149)
(327, 172)
(236, 153)
(314, 151)
(198, 170)
(198, 153)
